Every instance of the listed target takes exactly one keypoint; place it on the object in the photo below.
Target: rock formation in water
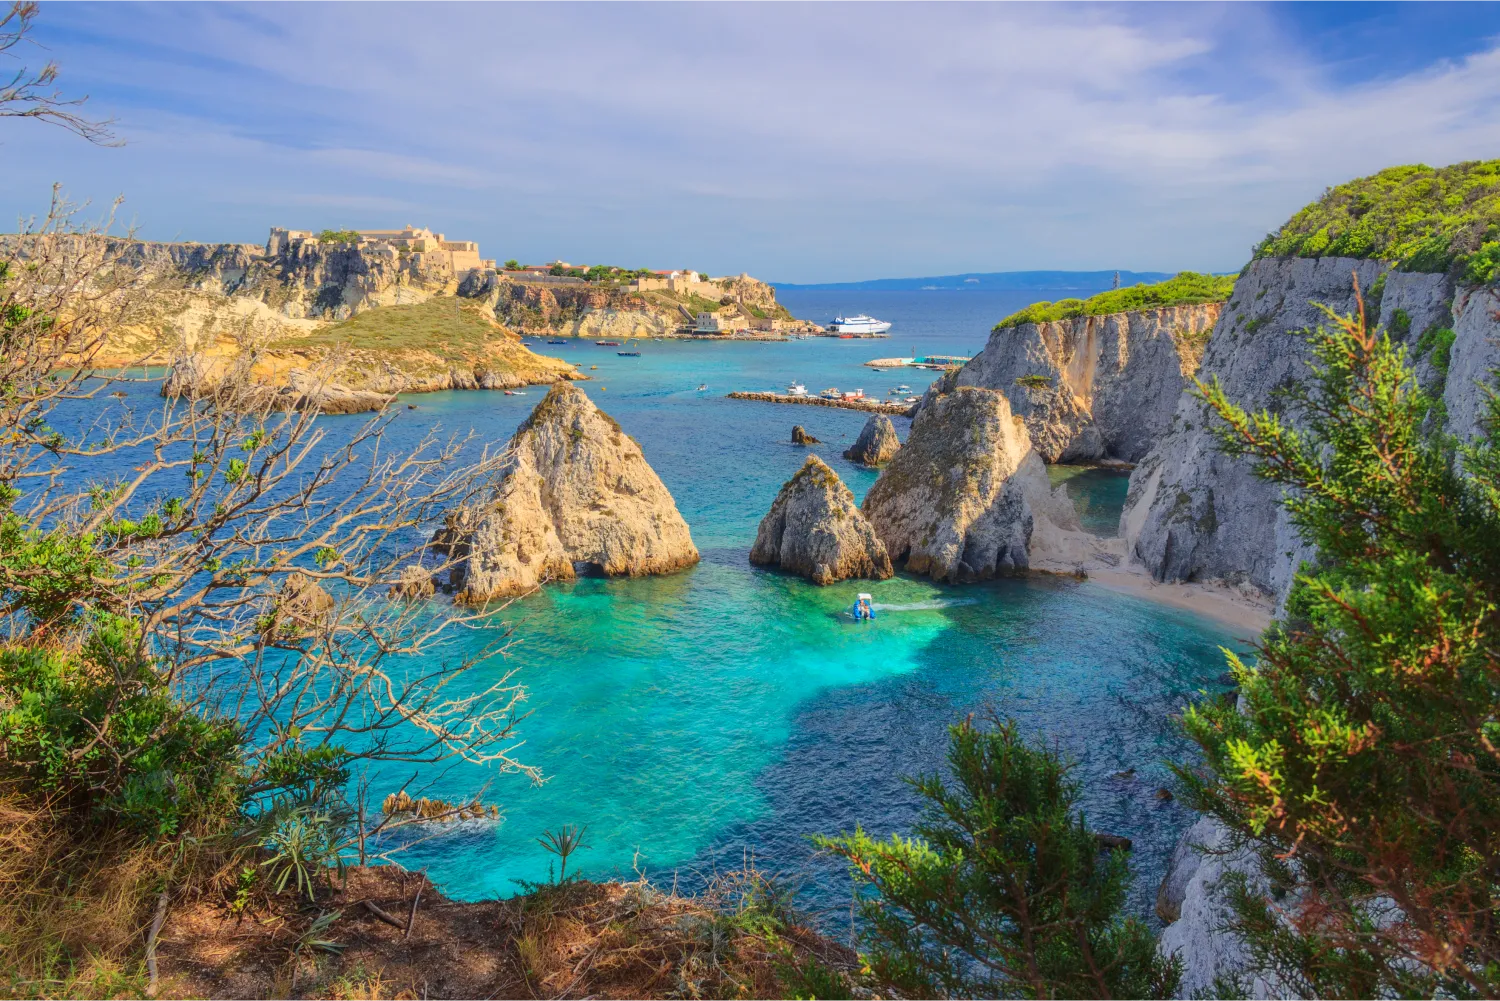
(801, 437)
(413, 584)
(967, 497)
(575, 492)
(815, 529)
(1095, 387)
(877, 442)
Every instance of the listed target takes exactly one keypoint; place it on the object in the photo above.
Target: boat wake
(924, 606)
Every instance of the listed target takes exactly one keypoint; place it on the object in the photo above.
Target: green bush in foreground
(1002, 891)
(1186, 289)
(1422, 219)
(98, 731)
(1367, 754)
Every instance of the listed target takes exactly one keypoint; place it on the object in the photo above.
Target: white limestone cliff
(1095, 387)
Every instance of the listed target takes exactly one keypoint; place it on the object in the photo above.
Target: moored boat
(860, 324)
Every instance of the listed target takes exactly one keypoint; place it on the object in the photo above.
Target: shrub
(1417, 217)
(1186, 289)
(1364, 755)
(98, 731)
(1003, 891)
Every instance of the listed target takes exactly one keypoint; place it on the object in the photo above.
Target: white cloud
(801, 141)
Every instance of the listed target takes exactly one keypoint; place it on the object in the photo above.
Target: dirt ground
(580, 939)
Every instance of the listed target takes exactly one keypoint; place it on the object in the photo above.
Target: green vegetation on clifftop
(1422, 219)
(1188, 288)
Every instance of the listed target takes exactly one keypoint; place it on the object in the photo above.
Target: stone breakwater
(868, 406)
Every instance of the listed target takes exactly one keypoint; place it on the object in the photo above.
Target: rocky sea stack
(576, 495)
(967, 498)
(815, 529)
(877, 442)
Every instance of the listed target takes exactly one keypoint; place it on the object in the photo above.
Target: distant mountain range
(996, 281)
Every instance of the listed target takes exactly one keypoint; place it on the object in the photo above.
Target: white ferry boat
(860, 324)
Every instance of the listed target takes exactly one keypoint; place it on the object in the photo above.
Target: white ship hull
(859, 325)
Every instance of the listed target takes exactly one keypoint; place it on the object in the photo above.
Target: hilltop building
(460, 255)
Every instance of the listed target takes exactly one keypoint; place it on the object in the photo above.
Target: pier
(920, 361)
(868, 406)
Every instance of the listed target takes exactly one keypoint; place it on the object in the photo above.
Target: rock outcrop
(801, 437)
(1194, 899)
(1095, 387)
(877, 442)
(617, 312)
(575, 494)
(1194, 514)
(413, 584)
(815, 529)
(967, 498)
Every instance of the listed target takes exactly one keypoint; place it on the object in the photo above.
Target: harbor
(862, 403)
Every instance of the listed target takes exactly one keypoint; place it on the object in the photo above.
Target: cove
(727, 711)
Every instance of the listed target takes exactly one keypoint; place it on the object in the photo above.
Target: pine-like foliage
(1002, 891)
(1365, 756)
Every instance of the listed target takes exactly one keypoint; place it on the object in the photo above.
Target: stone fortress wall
(460, 255)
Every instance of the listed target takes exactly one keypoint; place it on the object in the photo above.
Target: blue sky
(797, 142)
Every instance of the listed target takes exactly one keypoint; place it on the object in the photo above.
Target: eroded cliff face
(576, 493)
(568, 310)
(1474, 359)
(1095, 387)
(1195, 514)
(815, 529)
(327, 281)
(967, 498)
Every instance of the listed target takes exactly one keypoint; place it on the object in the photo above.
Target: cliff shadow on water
(1096, 674)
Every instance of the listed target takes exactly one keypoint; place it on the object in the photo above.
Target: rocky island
(967, 497)
(815, 529)
(877, 442)
(347, 318)
(576, 495)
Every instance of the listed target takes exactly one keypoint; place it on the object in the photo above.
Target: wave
(924, 606)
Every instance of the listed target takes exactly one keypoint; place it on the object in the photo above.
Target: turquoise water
(1097, 493)
(725, 711)
(693, 719)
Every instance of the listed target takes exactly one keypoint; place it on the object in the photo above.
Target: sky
(796, 142)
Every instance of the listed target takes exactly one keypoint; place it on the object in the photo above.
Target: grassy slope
(425, 338)
(1186, 289)
(1423, 219)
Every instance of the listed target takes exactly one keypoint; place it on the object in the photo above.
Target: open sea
(728, 712)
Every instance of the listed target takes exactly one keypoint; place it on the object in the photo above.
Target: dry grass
(442, 323)
(73, 911)
(579, 939)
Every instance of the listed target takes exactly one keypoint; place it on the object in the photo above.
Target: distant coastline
(1043, 281)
